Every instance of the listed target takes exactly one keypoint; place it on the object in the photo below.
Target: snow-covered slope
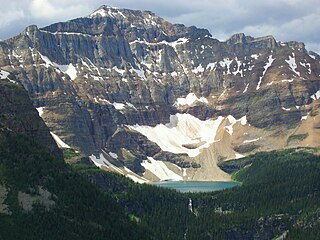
(182, 131)
(160, 169)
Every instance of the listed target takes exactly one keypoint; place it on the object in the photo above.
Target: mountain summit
(156, 101)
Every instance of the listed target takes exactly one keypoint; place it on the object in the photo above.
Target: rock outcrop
(98, 76)
(18, 115)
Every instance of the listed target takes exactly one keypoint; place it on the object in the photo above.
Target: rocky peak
(300, 46)
(31, 28)
(107, 11)
(314, 55)
(146, 25)
(98, 76)
(264, 42)
(237, 38)
(136, 18)
(261, 42)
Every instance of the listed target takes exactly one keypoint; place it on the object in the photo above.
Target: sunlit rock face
(131, 83)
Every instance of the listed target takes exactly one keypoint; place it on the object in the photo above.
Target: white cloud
(57, 9)
(8, 17)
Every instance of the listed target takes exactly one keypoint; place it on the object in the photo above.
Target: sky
(286, 20)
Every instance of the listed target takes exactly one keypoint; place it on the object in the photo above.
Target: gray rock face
(95, 75)
(18, 116)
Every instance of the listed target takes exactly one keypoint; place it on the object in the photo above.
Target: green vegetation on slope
(80, 210)
(280, 192)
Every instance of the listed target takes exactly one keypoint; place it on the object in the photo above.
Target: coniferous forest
(279, 196)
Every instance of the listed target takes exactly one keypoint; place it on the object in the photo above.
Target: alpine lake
(196, 186)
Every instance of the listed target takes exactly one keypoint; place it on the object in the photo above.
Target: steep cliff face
(18, 116)
(144, 91)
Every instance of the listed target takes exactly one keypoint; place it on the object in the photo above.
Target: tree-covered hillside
(65, 204)
(41, 197)
(279, 195)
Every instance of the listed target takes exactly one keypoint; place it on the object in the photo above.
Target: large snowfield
(181, 131)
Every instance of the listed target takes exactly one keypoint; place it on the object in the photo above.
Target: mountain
(154, 100)
(42, 197)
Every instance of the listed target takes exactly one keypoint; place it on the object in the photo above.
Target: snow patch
(40, 111)
(243, 120)
(94, 66)
(108, 12)
(101, 161)
(139, 72)
(58, 140)
(46, 60)
(287, 80)
(211, 66)
(178, 42)
(160, 169)
(226, 63)
(148, 65)
(198, 69)
(233, 121)
(304, 118)
(270, 83)
(182, 130)
(70, 70)
(252, 140)
(292, 64)
(174, 74)
(4, 74)
(127, 169)
(184, 174)
(150, 22)
(158, 60)
(173, 44)
(113, 155)
(255, 56)
(119, 106)
(246, 89)
(312, 56)
(250, 67)
(86, 64)
(131, 105)
(67, 33)
(238, 155)
(238, 69)
(307, 66)
(120, 71)
(266, 67)
(190, 99)
(316, 95)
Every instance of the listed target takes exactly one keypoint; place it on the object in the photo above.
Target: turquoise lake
(192, 186)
